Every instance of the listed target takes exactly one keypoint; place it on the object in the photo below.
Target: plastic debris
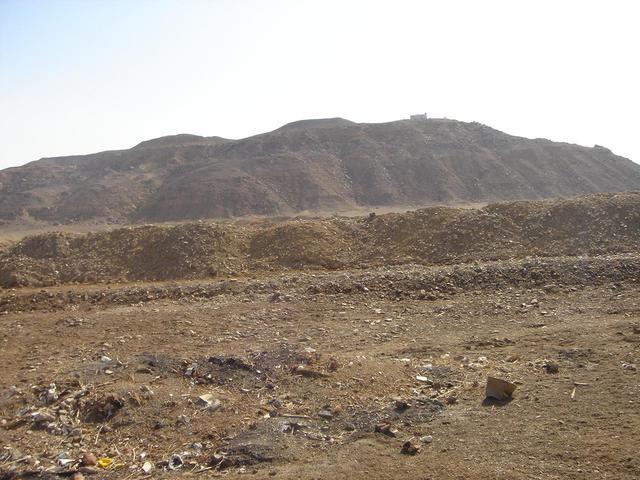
(105, 462)
(175, 462)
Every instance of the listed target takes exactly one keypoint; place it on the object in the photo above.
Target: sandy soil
(307, 367)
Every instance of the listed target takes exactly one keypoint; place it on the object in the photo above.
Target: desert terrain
(323, 165)
(339, 347)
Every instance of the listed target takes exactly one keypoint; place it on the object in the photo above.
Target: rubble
(499, 389)
(432, 236)
(208, 402)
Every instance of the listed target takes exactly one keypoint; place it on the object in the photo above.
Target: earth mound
(593, 225)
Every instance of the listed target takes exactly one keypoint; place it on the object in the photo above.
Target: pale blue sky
(84, 76)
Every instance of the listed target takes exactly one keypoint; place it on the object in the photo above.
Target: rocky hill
(330, 164)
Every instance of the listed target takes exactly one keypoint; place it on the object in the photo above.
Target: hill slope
(311, 164)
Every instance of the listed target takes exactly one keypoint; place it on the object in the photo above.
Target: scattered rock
(499, 389)
(208, 402)
(426, 439)
(183, 420)
(88, 460)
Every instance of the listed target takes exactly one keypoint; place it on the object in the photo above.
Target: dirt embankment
(593, 225)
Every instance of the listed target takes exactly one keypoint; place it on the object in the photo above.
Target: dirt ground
(317, 375)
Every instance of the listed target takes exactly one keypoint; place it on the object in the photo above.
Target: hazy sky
(90, 75)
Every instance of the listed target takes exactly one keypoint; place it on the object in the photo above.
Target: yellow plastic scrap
(105, 462)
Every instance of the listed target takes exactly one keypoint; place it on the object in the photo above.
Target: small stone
(208, 402)
(426, 439)
(77, 476)
(499, 389)
(326, 414)
(147, 467)
(422, 379)
(88, 460)
(183, 420)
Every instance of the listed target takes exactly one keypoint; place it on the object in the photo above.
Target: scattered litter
(147, 467)
(306, 372)
(175, 462)
(409, 448)
(385, 429)
(105, 462)
(64, 459)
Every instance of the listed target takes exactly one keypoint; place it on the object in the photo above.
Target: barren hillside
(331, 164)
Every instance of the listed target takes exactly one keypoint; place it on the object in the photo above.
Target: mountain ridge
(317, 164)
